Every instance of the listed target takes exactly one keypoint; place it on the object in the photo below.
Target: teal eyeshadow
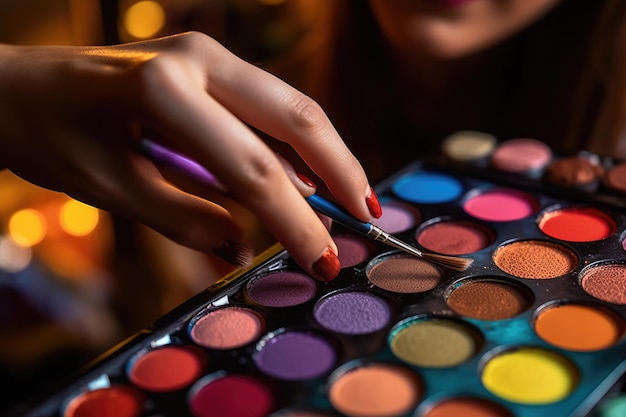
(427, 187)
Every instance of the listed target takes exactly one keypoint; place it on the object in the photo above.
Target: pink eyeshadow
(500, 205)
(454, 237)
(521, 155)
(352, 249)
(397, 217)
(227, 328)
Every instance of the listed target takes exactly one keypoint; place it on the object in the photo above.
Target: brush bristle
(458, 264)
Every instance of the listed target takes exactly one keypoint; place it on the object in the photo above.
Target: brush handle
(338, 214)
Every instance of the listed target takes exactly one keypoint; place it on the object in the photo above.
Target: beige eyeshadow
(404, 274)
(535, 259)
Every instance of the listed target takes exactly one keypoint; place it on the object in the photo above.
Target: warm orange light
(78, 219)
(144, 19)
(27, 227)
(271, 2)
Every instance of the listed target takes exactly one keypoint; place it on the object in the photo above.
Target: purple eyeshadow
(295, 355)
(354, 312)
(282, 289)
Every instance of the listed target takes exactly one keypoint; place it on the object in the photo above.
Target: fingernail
(306, 180)
(235, 253)
(373, 204)
(327, 266)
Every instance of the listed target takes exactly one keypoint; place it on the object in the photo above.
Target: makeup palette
(534, 327)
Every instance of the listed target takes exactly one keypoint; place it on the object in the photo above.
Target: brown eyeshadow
(535, 259)
(488, 300)
(616, 178)
(606, 283)
(404, 274)
(575, 171)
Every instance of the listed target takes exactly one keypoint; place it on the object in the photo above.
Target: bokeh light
(144, 19)
(14, 257)
(27, 227)
(78, 219)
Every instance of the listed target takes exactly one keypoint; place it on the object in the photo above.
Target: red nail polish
(327, 266)
(306, 180)
(373, 204)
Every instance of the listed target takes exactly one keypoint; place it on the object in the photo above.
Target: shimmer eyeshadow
(397, 216)
(500, 205)
(433, 342)
(427, 187)
(375, 389)
(114, 401)
(577, 224)
(583, 172)
(282, 289)
(295, 355)
(468, 407)
(352, 312)
(529, 375)
(489, 299)
(167, 368)
(227, 327)
(606, 282)
(522, 156)
(468, 146)
(535, 259)
(454, 237)
(404, 274)
(352, 249)
(230, 395)
(578, 327)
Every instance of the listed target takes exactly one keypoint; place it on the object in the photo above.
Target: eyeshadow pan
(433, 342)
(404, 274)
(282, 289)
(577, 224)
(427, 187)
(606, 282)
(489, 299)
(454, 237)
(500, 205)
(352, 312)
(167, 368)
(352, 249)
(230, 395)
(615, 178)
(397, 216)
(114, 401)
(468, 407)
(523, 155)
(583, 172)
(581, 328)
(295, 355)
(375, 390)
(529, 375)
(227, 328)
(468, 146)
(535, 259)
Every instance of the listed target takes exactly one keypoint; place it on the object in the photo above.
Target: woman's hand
(71, 117)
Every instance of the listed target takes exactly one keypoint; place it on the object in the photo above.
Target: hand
(70, 118)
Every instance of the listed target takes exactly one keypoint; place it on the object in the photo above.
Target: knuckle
(259, 177)
(307, 114)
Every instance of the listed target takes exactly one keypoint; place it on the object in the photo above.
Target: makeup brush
(191, 168)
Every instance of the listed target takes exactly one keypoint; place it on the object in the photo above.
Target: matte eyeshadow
(466, 145)
(295, 355)
(227, 328)
(115, 401)
(352, 312)
(535, 259)
(167, 368)
(352, 249)
(580, 328)
(521, 155)
(606, 283)
(488, 300)
(375, 390)
(454, 237)
(230, 395)
(397, 217)
(500, 205)
(404, 274)
(578, 171)
(577, 224)
(282, 289)
(615, 178)
(427, 187)
(468, 407)
(433, 343)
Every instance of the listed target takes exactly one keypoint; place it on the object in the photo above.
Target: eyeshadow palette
(534, 327)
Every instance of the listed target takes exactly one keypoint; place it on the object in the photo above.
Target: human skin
(71, 117)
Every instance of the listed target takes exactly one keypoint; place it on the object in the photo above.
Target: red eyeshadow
(577, 224)
(116, 401)
(455, 237)
(231, 395)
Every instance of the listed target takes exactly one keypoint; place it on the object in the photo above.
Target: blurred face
(449, 29)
